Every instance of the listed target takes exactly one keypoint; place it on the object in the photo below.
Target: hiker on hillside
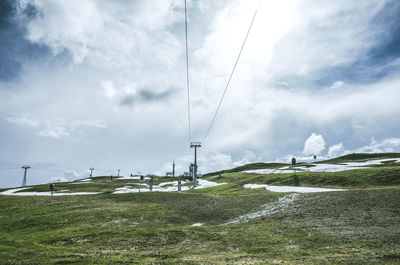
(51, 188)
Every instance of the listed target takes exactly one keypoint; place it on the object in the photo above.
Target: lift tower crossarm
(24, 180)
(91, 172)
(195, 145)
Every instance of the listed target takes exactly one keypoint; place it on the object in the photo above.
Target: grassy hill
(357, 226)
(360, 157)
(251, 166)
(355, 157)
(387, 174)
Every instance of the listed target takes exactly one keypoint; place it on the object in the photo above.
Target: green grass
(251, 166)
(360, 157)
(340, 227)
(97, 184)
(355, 157)
(386, 174)
(359, 226)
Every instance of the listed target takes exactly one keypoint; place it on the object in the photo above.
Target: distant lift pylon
(195, 145)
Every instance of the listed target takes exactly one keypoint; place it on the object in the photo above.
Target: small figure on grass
(51, 188)
(295, 177)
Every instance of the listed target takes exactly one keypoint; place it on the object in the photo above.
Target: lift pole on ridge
(24, 180)
(195, 145)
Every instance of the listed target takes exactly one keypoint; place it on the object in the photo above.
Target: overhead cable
(233, 70)
(187, 73)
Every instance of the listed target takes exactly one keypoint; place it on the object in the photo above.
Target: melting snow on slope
(82, 181)
(288, 188)
(202, 183)
(165, 186)
(85, 180)
(14, 192)
(323, 167)
(168, 186)
(267, 209)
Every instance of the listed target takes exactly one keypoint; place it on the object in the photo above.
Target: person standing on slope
(51, 188)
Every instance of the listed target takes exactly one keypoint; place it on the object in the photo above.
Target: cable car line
(233, 71)
(187, 73)
(196, 145)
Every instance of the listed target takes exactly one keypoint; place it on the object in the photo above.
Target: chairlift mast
(91, 172)
(195, 145)
(24, 180)
(173, 168)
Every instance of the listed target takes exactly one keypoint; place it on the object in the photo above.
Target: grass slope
(360, 157)
(355, 157)
(353, 227)
(387, 174)
(251, 166)
(360, 226)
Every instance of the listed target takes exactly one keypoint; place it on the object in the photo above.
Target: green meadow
(360, 225)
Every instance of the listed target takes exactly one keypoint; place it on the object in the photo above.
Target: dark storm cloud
(376, 62)
(381, 35)
(146, 96)
(149, 96)
(14, 48)
(388, 20)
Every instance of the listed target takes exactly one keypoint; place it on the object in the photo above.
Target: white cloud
(111, 52)
(117, 94)
(108, 34)
(25, 120)
(335, 150)
(337, 85)
(54, 132)
(249, 157)
(213, 162)
(319, 39)
(74, 175)
(386, 145)
(55, 128)
(94, 123)
(314, 145)
(217, 160)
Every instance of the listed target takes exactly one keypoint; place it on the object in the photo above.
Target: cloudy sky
(98, 83)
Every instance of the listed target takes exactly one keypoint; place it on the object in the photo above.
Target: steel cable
(233, 70)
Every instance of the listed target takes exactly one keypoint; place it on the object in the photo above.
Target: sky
(102, 84)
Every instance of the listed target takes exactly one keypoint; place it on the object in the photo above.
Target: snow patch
(267, 209)
(202, 183)
(173, 183)
(197, 224)
(11, 191)
(168, 187)
(82, 181)
(14, 192)
(288, 188)
(323, 167)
